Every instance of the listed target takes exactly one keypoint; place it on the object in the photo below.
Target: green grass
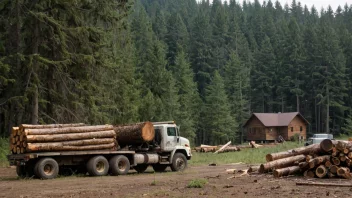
(342, 137)
(197, 183)
(4, 150)
(247, 155)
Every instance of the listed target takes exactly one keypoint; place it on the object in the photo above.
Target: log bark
(55, 146)
(15, 130)
(303, 166)
(349, 155)
(281, 163)
(207, 149)
(70, 136)
(327, 144)
(274, 156)
(286, 171)
(31, 126)
(308, 150)
(135, 133)
(81, 129)
(328, 164)
(309, 173)
(110, 146)
(229, 149)
(321, 171)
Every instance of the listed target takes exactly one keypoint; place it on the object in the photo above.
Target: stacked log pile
(62, 137)
(328, 159)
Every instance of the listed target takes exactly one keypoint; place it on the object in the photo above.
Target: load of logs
(329, 159)
(62, 137)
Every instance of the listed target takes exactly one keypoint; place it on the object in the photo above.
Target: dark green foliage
(206, 64)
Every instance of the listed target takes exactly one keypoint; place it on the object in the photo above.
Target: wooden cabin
(268, 127)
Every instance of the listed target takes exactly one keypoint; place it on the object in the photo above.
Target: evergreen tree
(217, 118)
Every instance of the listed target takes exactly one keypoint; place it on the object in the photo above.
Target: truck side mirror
(178, 139)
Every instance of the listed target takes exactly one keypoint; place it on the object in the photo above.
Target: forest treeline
(206, 65)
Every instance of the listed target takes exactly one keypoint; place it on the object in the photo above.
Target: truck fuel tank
(146, 158)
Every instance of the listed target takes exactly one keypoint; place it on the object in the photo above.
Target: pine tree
(236, 79)
(219, 124)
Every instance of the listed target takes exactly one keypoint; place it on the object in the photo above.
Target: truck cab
(317, 138)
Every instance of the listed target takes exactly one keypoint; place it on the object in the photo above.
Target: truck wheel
(98, 166)
(179, 162)
(46, 168)
(21, 171)
(119, 165)
(159, 167)
(140, 168)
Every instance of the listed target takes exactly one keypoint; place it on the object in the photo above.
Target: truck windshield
(320, 136)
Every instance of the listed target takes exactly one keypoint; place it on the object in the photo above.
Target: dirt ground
(167, 184)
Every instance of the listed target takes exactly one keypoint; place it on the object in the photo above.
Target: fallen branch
(322, 184)
(223, 147)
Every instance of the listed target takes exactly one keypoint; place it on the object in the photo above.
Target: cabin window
(171, 131)
(301, 128)
(291, 129)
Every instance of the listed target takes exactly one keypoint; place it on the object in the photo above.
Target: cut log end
(326, 145)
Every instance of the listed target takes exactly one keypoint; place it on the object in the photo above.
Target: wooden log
(43, 126)
(18, 150)
(322, 184)
(303, 166)
(286, 171)
(13, 140)
(327, 144)
(328, 164)
(110, 146)
(281, 163)
(336, 161)
(346, 151)
(308, 158)
(229, 149)
(254, 145)
(308, 150)
(321, 171)
(252, 169)
(334, 154)
(333, 169)
(81, 129)
(309, 173)
(274, 156)
(14, 130)
(207, 149)
(349, 155)
(342, 170)
(343, 158)
(135, 133)
(55, 146)
(223, 147)
(70, 136)
(347, 176)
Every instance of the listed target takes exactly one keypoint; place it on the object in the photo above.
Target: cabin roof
(276, 119)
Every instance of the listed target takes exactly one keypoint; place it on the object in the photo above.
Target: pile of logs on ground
(62, 137)
(329, 159)
(217, 149)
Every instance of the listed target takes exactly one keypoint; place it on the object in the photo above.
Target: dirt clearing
(168, 184)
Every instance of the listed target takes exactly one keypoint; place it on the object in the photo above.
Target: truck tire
(119, 165)
(98, 166)
(46, 168)
(159, 167)
(140, 168)
(179, 162)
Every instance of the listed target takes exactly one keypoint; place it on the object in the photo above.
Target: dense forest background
(206, 65)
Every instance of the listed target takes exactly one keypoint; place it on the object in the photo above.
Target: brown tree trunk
(307, 150)
(135, 133)
(281, 163)
(70, 136)
(318, 160)
(110, 146)
(253, 169)
(274, 156)
(286, 171)
(82, 129)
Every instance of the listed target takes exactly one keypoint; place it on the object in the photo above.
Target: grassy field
(4, 150)
(247, 155)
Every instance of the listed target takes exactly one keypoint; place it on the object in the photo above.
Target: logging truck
(167, 149)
